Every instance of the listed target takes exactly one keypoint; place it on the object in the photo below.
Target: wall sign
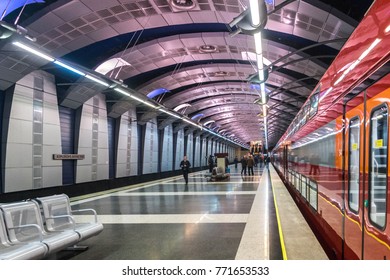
(68, 156)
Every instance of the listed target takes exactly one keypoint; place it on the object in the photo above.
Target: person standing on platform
(250, 163)
(211, 163)
(185, 167)
(243, 165)
(235, 162)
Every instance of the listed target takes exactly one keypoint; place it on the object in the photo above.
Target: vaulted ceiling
(185, 48)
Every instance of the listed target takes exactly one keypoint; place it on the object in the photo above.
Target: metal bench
(23, 250)
(58, 215)
(24, 223)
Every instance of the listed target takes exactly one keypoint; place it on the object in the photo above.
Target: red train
(334, 158)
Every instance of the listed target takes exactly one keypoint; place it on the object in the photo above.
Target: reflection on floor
(169, 220)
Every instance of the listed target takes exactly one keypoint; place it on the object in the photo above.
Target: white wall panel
(197, 159)
(33, 136)
(167, 150)
(150, 148)
(190, 148)
(93, 141)
(209, 147)
(205, 153)
(179, 149)
(127, 157)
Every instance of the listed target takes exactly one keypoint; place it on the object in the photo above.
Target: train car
(334, 157)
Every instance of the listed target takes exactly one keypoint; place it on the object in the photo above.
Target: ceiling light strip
(169, 113)
(117, 88)
(255, 15)
(34, 51)
(96, 80)
(70, 68)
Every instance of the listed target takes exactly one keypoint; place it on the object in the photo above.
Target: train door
(376, 244)
(376, 226)
(353, 160)
(366, 170)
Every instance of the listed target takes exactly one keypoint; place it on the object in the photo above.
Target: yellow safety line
(284, 252)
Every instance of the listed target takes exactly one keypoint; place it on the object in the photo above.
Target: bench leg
(77, 248)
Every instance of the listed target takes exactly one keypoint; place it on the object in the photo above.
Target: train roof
(367, 49)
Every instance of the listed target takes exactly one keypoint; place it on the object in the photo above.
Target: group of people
(247, 164)
(248, 161)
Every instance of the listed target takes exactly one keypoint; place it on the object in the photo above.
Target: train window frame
(313, 199)
(314, 100)
(296, 181)
(353, 207)
(370, 184)
(300, 183)
(304, 186)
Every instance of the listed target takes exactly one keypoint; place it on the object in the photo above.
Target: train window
(353, 164)
(303, 186)
(314, 99)
(313, 191)
(378, 166)
(306, 111)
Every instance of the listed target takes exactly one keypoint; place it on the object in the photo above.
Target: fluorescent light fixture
(69, 67)
(143, 101)
(169, 113)
(188, 121)
(253, 56)
(34, 51)
(199, 126)
(192, 123)
(259, 47)
(387, 28)
(255, 14)
(92, 78)
(124, 92)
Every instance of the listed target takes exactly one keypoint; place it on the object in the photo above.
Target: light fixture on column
(250, 21)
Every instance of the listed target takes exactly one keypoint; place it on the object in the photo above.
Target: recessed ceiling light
(221, 73)
(183, 5)
(208, 49)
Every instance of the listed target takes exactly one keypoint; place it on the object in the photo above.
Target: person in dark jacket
(243, 165)
(235, 162)
(250, 164)
(185, 167)
(211, 163)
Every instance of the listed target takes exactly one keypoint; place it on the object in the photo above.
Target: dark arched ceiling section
(161, 47)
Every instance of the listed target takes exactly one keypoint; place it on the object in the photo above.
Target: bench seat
(24, 223)
(23, 251)
(58, 215)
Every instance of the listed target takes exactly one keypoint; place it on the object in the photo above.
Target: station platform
(243, 218)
